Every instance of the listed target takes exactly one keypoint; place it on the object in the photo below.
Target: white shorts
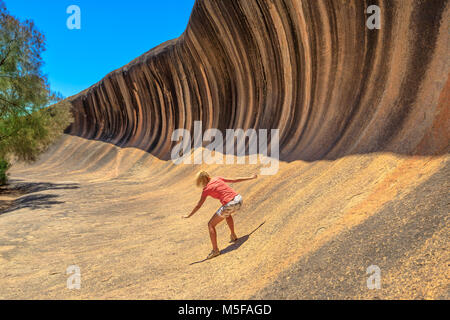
(231, 207)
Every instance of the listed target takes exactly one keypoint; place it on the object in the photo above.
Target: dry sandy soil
(311, 231)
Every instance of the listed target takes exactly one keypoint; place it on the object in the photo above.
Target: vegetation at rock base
(27, 124)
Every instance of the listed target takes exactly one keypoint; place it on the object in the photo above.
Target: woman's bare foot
(213, 254)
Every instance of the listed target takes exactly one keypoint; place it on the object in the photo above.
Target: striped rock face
(362, 187)
(311, 69)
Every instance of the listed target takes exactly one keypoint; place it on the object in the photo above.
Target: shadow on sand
(234, 246)
(18, 190)
(17, 187)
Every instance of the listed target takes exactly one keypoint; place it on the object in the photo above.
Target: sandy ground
(311, 231)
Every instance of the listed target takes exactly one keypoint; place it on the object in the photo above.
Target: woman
(230, 199)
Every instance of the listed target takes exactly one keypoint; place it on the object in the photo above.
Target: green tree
(27, 125)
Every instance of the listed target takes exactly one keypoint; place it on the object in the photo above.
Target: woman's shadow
(234, 246)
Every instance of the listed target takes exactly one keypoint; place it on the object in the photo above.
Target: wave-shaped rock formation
(312, 69)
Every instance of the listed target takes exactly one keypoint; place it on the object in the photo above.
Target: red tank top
(218, 189)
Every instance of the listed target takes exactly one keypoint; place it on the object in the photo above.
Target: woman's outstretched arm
(197, 207)
(239, 179)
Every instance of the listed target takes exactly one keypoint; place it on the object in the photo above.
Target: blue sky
(112, 34)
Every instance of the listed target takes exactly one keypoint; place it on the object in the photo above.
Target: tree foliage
(27, 125)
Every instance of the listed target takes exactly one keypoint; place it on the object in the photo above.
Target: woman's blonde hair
(202, 178)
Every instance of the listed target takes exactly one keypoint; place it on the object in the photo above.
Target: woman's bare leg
(230, 223)
(215, 219)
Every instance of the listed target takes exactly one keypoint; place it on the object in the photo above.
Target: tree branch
(15, 105)
(9, 50)
(8, 76)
